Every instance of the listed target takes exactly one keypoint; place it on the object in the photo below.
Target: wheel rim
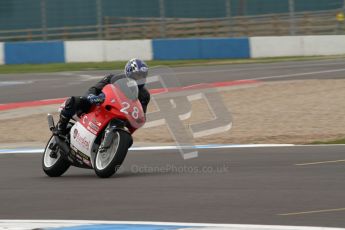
(105, 158)
(49, 161)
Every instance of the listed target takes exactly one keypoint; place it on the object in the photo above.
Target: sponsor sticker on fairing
(81, 140)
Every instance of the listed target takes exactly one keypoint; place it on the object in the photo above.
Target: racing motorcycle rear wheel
(53, 163)
(108, 161)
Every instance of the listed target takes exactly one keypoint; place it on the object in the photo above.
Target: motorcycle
(99, 139)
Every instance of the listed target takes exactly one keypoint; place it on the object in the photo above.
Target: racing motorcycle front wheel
(53, 163)
(108, 161)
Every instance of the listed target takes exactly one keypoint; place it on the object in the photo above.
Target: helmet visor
(139, 76)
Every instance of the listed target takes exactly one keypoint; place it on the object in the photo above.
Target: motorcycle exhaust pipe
(50, 122)
(64, 147)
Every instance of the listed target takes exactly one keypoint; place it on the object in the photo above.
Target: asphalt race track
(28, 87)
(267, 185)
(237, 185)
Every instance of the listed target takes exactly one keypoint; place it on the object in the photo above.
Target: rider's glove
(93, 99)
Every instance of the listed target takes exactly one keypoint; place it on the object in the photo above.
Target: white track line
(11, 83)
(255, 78)
(148, 148)
(33, 224)
(312, 212)
(297, 74)
(320, 162)
(171, 147)
(259, 67)
(249, 67)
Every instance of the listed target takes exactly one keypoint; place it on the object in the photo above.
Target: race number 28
(126, 106)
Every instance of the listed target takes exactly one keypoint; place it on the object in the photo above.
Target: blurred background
(22, 20)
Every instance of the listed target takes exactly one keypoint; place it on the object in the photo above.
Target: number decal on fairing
(126, 107)
(135, 113)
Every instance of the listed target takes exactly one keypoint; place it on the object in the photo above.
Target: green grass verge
(339, 141)
(59, 67)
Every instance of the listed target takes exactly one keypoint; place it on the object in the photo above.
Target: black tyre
(106, 163)
(54, 166)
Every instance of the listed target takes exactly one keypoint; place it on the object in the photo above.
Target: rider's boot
(61, 126)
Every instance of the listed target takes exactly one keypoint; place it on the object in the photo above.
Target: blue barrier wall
(200, 48)
(34, 52)
(214, 48)
(170, 49)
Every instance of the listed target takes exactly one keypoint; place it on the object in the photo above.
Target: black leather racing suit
(79, 105)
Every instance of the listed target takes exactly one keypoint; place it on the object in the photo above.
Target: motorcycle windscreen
(128, 87)
(127, 93)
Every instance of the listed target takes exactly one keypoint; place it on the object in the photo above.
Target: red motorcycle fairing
(116, 105)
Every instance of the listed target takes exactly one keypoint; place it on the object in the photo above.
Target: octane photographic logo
(174, 106)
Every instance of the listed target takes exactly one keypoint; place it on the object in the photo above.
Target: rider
(135, 69)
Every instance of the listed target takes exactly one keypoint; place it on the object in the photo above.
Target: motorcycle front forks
(108, 138)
